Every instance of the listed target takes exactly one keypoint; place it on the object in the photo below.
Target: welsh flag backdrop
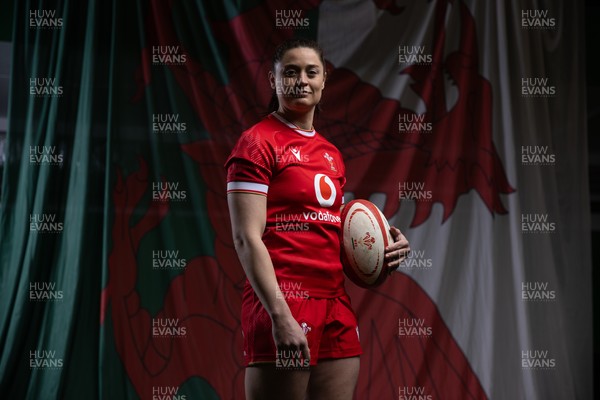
(463, 120)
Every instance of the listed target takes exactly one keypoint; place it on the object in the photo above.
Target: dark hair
(280, 52)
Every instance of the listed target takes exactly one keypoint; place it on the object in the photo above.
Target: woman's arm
(248, 217)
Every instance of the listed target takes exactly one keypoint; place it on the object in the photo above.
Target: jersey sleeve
(343, 172)
(250, 165)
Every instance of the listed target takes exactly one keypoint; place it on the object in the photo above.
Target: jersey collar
(303, 132)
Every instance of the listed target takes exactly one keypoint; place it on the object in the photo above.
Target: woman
(284, 190)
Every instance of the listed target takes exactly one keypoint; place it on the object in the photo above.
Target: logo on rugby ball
(367, 241)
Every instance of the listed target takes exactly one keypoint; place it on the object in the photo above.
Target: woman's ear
(272, 79)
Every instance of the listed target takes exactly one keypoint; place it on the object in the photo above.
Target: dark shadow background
(592, 33)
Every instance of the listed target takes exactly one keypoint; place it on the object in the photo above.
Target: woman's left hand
(396, 252)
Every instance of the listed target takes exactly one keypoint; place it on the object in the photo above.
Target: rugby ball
(364, 236)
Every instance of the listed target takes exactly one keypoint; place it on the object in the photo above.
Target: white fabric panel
(480, 260)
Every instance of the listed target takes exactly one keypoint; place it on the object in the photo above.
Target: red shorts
(329, 325)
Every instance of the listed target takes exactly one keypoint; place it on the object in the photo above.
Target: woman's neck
(301, 120)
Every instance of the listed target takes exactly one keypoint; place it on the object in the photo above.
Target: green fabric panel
(70, 258)
(101, 127)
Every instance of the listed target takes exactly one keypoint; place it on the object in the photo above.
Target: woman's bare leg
(333, 379)
(265, 382)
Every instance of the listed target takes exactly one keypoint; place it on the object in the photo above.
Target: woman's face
(299, 79)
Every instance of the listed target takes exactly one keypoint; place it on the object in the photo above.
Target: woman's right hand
(289, 336)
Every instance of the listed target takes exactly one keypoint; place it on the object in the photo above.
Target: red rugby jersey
(302, 175)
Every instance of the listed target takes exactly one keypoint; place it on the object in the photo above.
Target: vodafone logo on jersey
(325, 190)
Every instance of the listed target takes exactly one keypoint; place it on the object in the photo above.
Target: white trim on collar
(301, 131)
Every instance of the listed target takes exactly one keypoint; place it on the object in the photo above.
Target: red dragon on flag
(457, 157)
